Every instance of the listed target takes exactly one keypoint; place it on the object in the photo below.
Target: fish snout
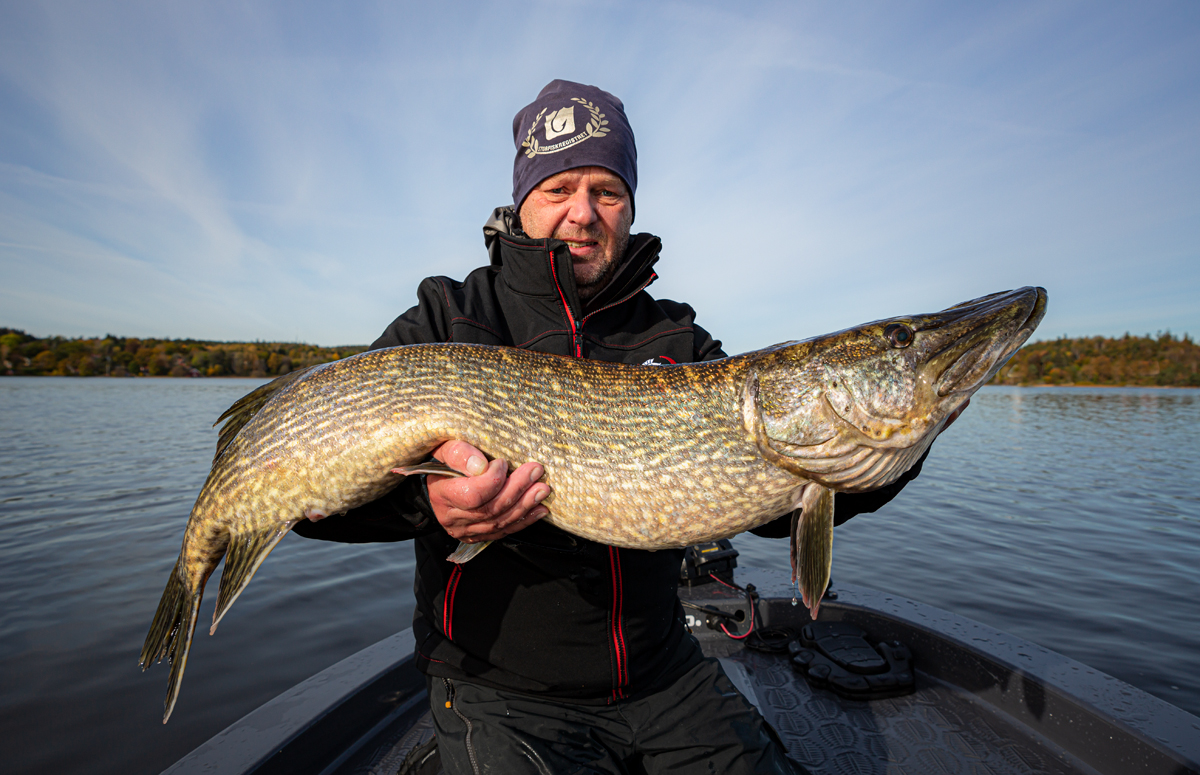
(979, 336)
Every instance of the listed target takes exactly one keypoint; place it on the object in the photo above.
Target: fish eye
(898, 334)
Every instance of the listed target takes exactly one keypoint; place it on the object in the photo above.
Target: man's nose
(583, 209)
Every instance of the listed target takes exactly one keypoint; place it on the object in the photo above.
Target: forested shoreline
(1143, 361)
(118, 356)
(1164, 360)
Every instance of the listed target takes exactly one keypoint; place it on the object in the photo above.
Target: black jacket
(542, 611)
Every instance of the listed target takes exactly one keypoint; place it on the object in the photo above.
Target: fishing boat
(880, 684)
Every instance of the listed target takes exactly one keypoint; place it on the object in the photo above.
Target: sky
(289, 171)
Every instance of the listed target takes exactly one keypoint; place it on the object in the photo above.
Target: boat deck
(937, 729)
(984, 702)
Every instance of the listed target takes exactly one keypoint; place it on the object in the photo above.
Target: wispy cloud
(274, 170)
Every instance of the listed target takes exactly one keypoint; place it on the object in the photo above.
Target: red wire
(744, 634)
(739, 589)
(726, 583)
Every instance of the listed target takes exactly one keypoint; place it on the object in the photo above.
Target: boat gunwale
(324, 718)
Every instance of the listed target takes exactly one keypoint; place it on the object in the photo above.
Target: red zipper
(577, 325)
(621, 656)
(576, 335)
(448, 602)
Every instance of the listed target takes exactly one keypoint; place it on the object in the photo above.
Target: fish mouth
(978, 337)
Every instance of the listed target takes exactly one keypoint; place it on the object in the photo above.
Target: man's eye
(608, 194)
(559, 190)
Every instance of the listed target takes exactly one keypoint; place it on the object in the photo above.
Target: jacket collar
(542, 267)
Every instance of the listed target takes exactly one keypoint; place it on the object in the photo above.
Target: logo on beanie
(562, 122)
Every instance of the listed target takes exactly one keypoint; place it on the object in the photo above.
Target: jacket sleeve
(404, 512)
(707, 348)
(847, 504)
(429, 321)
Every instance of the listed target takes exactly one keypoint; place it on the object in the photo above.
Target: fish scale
(604, 467)
(642, 457)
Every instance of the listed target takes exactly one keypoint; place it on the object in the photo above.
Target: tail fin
(175, 608)
(246, 552)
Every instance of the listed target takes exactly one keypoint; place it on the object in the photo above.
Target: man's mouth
(581, 249)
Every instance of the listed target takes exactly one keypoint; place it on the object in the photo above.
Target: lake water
(1070, 517)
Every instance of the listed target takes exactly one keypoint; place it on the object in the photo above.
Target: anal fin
(246, 552)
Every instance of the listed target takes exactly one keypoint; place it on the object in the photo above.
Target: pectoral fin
(812, 544)
(428, 467)
(466, 552)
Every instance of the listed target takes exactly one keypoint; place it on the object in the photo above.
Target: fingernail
(476, 465)
(540, 496)
(535, 473)
(539, 513)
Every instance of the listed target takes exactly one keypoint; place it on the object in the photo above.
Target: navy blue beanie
(571, 125)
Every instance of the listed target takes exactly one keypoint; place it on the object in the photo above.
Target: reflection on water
(96, 480)
(1066, 516)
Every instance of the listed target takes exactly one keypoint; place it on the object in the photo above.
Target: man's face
(588, 208)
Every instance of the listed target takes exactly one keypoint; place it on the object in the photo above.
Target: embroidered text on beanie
(571, 125)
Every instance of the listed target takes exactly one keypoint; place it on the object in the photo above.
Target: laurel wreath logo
(531, 144)
(597, 126)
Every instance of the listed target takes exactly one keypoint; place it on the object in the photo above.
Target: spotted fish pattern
(644, 457)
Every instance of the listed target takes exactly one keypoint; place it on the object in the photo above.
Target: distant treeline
(120, 356)
(1163, 360)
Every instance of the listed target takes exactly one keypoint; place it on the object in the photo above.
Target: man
(549, 653)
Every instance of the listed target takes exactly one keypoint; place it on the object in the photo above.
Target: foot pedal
(837, 656)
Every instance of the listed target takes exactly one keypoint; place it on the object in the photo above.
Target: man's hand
(488, 503)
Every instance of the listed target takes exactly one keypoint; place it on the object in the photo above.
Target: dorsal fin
(248, 405)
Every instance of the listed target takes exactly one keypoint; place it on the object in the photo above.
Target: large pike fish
(645, 457)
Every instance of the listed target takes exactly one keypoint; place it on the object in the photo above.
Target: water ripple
(1067, 517)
